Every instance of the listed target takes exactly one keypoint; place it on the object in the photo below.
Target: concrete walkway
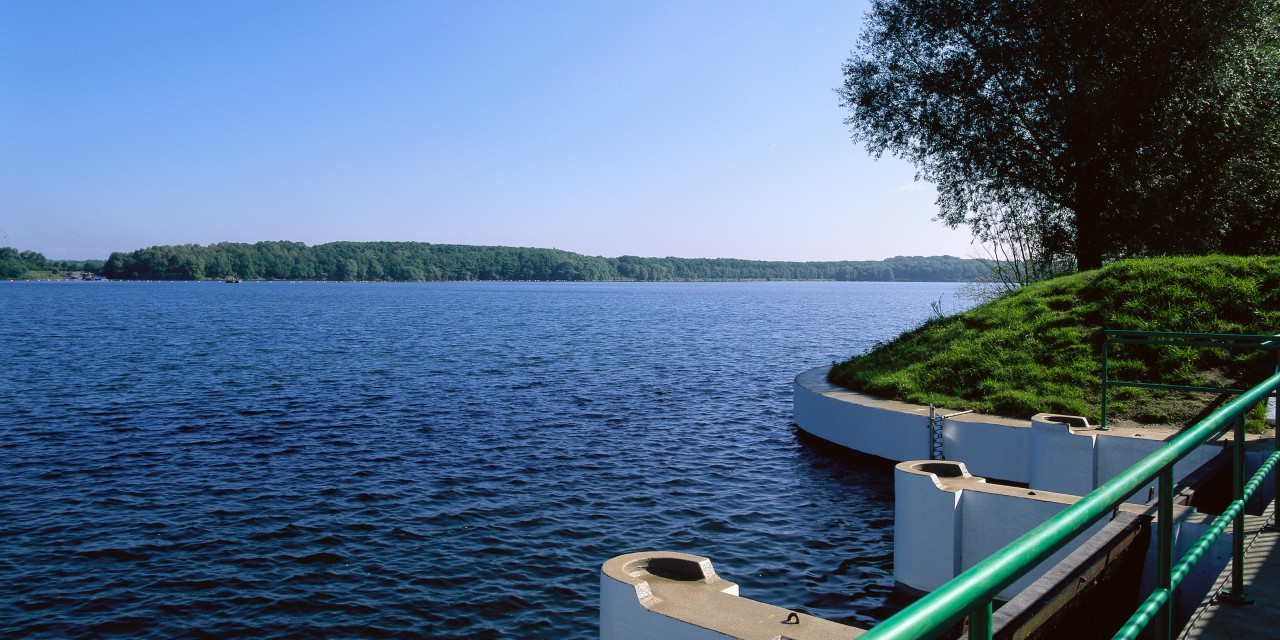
(1218, 619)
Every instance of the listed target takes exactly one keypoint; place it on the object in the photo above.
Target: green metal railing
(970, 594)
(1174, 339)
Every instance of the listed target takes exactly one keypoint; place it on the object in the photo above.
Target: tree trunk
(1088, 235)
(1089, 205)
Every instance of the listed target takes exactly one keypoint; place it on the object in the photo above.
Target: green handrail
(1176, 339)
(973, 590)
(1148, 609)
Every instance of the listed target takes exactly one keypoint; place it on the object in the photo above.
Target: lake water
(281, 460)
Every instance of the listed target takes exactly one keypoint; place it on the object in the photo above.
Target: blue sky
(686, 128)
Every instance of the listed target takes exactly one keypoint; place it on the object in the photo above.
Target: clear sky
(689, 128)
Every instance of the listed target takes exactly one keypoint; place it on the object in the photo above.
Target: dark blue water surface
(408, 460)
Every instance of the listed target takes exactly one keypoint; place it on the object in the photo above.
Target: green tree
(1101, 128)
(11, 263)
(420, 261)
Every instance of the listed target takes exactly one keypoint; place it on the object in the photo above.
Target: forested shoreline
(29, 264)
(425, 262)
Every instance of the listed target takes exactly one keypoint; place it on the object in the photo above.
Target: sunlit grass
(1040, 348)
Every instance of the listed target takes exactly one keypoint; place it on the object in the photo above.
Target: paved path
(1217, 619)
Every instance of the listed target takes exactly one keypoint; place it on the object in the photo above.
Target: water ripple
(404, 461)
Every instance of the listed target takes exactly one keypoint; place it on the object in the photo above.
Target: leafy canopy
(1102, 128)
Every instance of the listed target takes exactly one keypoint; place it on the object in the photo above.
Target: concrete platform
(1216, 618)
(678, 596)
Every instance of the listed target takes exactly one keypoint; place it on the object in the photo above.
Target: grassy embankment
(1040, 348)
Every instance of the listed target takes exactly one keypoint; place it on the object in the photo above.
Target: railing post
(980, 622)
(1237, 594)
(1106, 346)
(1275, 439)
(1164, 553)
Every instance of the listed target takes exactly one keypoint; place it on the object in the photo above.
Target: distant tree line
(17, 264)
(417, 262)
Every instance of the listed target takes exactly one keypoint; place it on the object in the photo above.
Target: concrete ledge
(678, 596)
(1062, 454)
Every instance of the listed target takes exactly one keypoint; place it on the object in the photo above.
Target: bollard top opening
(676, 569)
(941, 469)
(1075, 422)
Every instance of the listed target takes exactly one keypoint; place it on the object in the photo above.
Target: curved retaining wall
(1043, 452)
(884, 428)
(991, 446)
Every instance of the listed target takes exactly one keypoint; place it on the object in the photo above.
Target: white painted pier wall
(1041, 453)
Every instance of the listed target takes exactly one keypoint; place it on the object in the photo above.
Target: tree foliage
(1110, 128)
(417, 261)
(18, 264)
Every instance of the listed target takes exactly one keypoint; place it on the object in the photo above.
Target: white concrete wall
(1077, 461)
(893, 435)
(1114, 454)
(623, 617)
(1187, 528)
(1061, 459)
(1046, 455)
(943, 527)
(988, 449)
(946, 525)
(925, 521)
(992, 520)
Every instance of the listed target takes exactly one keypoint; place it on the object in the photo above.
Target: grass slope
(1040, 348)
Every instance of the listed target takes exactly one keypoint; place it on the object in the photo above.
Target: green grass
(1039, 349)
